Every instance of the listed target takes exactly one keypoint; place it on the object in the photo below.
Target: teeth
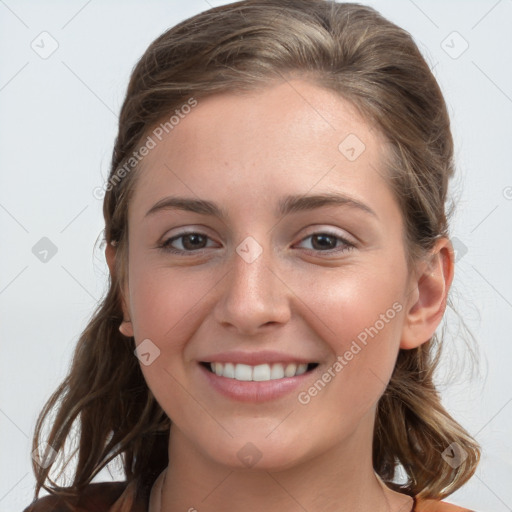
(261, 372)
(217, 368)
(277, 371)
(242, 371)
(301, 368)
(229, 370)
(290, 370)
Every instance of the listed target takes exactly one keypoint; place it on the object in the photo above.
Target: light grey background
(57, 127)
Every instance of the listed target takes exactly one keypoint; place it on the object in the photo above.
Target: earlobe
(429, 296)
(126, 328)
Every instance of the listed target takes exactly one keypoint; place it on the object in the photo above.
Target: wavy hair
(104, 402)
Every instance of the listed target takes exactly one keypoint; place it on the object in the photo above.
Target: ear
(126, 327)
(429, 293)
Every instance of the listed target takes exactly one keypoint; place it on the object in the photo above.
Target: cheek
(164, 301)
(168, 306)
(352, 301)
(360, 316)
(166, 309)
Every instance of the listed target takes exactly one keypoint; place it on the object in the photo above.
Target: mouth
(258, 373)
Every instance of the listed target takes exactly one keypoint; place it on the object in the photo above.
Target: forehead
(288, 137)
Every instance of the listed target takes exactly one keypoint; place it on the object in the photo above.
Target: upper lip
(255, 358)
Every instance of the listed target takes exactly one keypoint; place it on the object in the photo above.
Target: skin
(245, 152)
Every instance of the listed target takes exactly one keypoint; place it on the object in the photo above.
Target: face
(266, 280)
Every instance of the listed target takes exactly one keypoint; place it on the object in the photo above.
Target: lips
(257, 376)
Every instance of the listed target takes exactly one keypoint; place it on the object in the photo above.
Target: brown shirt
(118, 497)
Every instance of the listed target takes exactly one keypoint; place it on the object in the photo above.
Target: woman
(278, 248)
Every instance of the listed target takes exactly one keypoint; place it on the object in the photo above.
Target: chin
(253, 454)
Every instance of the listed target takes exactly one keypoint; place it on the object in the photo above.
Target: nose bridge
(253, 295)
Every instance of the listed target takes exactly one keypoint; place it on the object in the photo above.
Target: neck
(338, 480)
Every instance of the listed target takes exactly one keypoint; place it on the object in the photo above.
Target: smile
(260, 372)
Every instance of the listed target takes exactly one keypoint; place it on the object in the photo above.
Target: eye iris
(193, 236)
(324, 237)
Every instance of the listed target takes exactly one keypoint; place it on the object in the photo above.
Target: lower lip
(255, 391)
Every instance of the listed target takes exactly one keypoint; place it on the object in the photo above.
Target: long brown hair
(348, 48)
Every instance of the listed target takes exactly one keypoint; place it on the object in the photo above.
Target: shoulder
(439, 506)
(97, 497)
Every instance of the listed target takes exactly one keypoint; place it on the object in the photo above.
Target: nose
(254, 295)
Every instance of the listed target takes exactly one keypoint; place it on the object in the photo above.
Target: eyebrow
(288, 204)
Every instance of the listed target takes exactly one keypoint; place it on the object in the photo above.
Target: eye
(328, 242)
(189, 241)
(195, 241)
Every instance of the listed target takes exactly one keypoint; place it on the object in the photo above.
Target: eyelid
(318, 229)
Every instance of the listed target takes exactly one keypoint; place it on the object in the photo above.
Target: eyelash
(166, 247)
